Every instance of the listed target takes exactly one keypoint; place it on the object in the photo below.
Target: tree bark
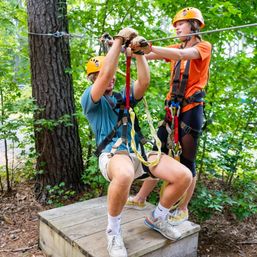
(58, 147)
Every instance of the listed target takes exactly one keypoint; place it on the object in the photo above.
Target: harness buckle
(187, 129)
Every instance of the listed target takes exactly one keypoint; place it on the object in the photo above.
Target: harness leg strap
(188, 130)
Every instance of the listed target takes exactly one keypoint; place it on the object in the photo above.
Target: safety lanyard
(172, 127)
(171, 117)
(128, 65)
(125, 118)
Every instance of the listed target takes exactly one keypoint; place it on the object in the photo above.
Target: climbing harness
(173, 105)
(171, 121)
(127, 115)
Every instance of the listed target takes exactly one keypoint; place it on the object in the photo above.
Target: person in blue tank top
(121, 167)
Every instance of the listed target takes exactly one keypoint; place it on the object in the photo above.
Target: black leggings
(194, 119)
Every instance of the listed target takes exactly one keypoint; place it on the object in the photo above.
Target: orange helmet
(189, 13)
(94, 64)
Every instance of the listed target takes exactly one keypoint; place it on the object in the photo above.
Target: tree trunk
(58, 147)
(8, 183)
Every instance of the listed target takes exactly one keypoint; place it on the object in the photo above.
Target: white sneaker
(116, 246)
(163, 227)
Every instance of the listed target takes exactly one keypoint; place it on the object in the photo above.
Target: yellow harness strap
(153, 133)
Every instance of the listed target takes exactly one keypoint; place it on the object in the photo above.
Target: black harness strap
(120, 115)
(110, 136)
(181, 92)
(119, 99)
(179, 87)
(124, 131)
(123, 120)
(197, 97)
(188, 130)
(176, 79)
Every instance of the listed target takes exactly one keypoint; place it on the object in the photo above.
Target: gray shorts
(104, 160)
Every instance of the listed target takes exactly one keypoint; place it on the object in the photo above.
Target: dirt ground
(220, 236)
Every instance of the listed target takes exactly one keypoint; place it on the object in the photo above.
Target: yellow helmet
(189, 13)
(94, 64)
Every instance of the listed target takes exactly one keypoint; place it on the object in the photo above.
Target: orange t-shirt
(198, 72)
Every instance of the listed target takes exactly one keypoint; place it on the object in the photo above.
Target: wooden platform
(78, 230)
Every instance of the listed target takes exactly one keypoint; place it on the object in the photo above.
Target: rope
(153, 133)
(206, 32)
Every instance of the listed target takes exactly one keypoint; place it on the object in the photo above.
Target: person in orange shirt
(189, 75)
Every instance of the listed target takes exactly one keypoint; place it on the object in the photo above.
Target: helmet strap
(188, 38)
(195, 27)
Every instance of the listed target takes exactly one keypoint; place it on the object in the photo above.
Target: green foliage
(245, 195)
(95, 183)
(16, 129)
(227, 149)
(14, 75)
(58, 194)
(240, 200)
(154, 196)
(206, 202)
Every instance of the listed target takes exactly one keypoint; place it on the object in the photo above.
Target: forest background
(227, 154)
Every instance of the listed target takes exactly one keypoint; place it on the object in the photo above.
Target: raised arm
(111, 63)
(157, 52)
(107, 71)
(153, 56)
(175, 53)
(143, 77)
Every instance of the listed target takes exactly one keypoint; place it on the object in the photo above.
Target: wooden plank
(138, 238)
(149, 240)
(76, 224)
(71, 209)
(187, 247)
(55, 245)
(154, 245)
(87, 227)
(89, 215)
(78, 230)
(141, 240)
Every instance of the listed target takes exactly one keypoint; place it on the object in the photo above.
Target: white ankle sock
(160, 212)
(113, 227)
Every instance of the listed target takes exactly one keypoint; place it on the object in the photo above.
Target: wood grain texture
(79, 230)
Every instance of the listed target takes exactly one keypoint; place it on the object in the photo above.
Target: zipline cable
(206, 32)
(59, 34)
